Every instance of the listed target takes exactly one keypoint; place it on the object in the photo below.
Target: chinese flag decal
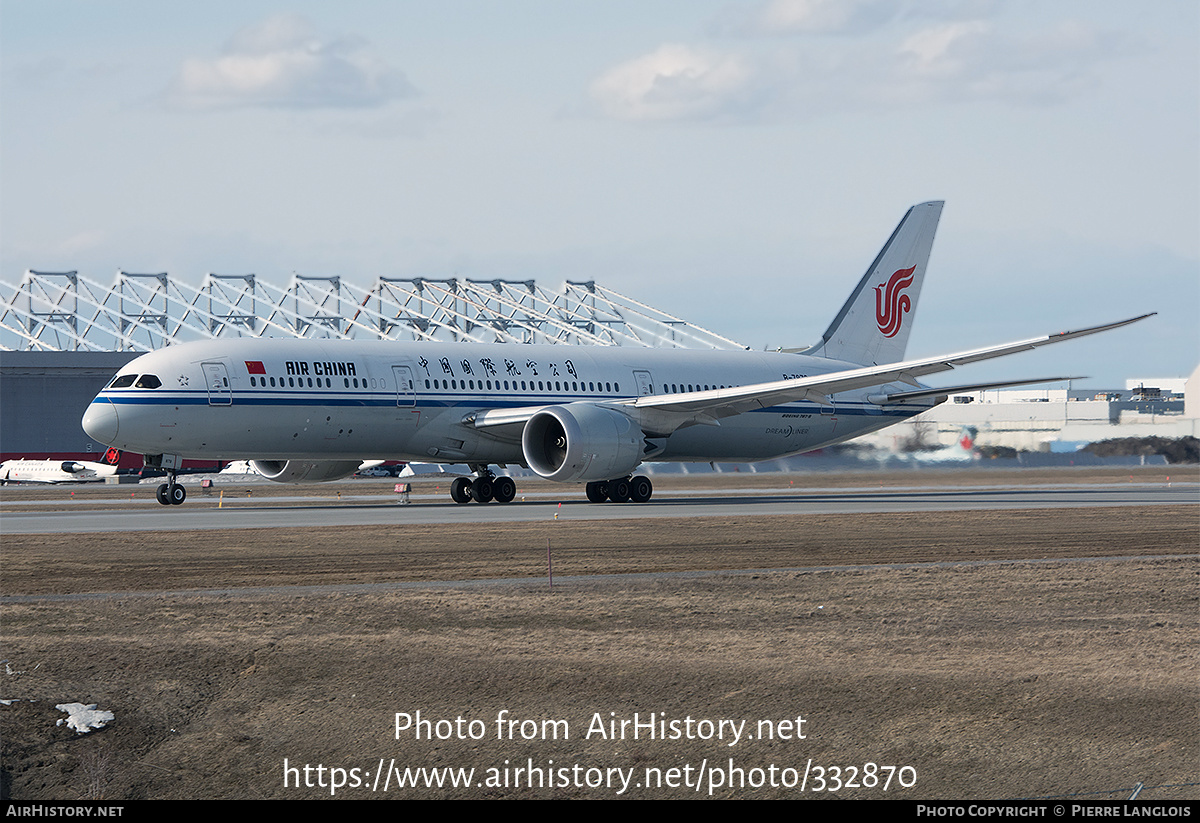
(255, 367)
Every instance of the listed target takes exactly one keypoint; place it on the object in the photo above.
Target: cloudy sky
(735, 163)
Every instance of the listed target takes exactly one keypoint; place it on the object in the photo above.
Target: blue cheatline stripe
(467, 402)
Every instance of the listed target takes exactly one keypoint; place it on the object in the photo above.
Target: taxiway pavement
(361, 510)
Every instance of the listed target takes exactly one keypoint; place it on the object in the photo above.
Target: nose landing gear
(171, 493)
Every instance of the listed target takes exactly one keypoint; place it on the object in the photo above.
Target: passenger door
(645, 382)
(216, 378)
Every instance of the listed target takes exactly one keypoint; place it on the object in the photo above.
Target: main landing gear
(483, 489)
(171, 493)
(623, 489)
(486, 487)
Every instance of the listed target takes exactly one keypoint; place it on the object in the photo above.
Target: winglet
(1095, 329)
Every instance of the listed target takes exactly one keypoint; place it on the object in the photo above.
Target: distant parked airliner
(59, 471)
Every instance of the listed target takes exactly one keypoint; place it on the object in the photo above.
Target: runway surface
(142, 515)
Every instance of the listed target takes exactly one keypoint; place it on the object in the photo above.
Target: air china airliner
(313, 410)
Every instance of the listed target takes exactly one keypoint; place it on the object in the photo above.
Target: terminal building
(43, 395)
(1056, 419)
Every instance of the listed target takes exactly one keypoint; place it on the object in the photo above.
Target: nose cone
(100, 421)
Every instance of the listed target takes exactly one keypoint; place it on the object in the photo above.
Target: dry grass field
(890, 635)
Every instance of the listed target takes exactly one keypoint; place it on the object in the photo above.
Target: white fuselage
(275, 399)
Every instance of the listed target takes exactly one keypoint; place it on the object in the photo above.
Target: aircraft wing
(727, 402)
(663, 413)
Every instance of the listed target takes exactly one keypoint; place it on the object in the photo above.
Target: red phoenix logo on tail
(891, 303)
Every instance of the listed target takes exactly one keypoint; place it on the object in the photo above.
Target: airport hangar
(63, 335)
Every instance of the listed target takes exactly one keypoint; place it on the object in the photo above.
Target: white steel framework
(66, 311)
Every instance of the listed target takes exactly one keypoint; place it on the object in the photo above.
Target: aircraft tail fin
(873, 326)
(112, 457)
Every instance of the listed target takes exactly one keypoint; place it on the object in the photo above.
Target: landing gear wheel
(460, 490)
(482, 489)
(504, 489)
(640, 489)
(596, 492)
(618, 490)
(176, 494)
(161, 495)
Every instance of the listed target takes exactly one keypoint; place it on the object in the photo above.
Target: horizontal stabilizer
(906, 396)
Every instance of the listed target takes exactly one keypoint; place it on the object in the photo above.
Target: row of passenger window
(681, 388)
(522, 385)
(301, 382)
(449, 385)
(150, 381)
(262, 382)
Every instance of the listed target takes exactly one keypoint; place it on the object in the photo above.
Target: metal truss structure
(65, 311)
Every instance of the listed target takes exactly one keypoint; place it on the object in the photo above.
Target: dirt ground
(1045, 675)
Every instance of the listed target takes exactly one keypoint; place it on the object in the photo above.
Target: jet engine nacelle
(581, 442)
(305, 471)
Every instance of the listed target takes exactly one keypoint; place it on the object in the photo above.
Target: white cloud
(283, 63)
(789, 18)
(674, 82)
(942, 49)
(786, 17)
(975, 61)
(917, 59)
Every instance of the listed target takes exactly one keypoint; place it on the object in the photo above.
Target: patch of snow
(83, 718)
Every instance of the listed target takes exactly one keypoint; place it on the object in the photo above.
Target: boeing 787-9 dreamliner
(305, 410)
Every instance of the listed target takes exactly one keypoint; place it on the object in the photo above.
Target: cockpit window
(148, 381)
(123, 381)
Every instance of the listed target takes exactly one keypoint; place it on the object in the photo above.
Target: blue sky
(735, 163)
